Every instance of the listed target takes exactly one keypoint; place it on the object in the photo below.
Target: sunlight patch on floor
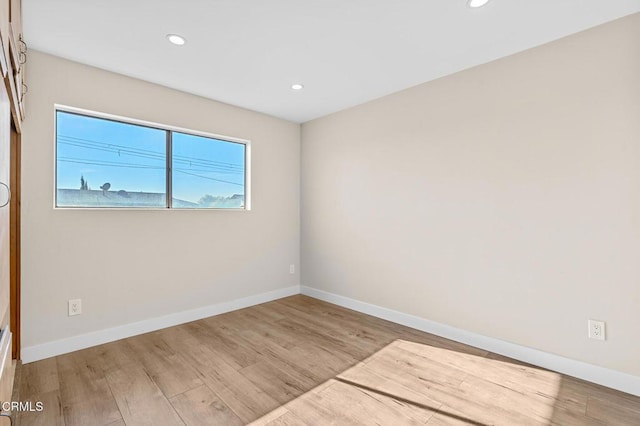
(408, 382)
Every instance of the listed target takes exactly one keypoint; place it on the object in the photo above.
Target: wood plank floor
(300, 361)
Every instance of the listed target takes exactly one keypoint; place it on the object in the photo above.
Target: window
(207, 171)
(102, 162)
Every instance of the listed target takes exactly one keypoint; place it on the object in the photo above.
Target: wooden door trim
(14, 244)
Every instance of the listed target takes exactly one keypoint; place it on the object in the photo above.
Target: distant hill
(98, 198)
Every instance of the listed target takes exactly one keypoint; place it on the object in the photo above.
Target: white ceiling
(345, 52)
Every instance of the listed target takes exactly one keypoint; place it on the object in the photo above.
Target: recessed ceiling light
(477, 3)
(297, 86)
(176, 39)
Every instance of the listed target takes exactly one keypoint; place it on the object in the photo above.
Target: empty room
(304, 212)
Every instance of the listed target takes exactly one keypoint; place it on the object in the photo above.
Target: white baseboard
(592, 373)
(82, 341)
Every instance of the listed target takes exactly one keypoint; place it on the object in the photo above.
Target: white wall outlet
(292, 269)
(75, 307)
(597, 330)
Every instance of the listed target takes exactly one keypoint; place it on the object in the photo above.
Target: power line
(138, 166)
(153, 153)
(109, 163)
(123, 165)
(223, 172)
(159, 157)
(113, 150)
(113, 163)
(210, 178)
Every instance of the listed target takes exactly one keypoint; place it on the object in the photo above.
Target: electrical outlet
(597, 330)
(75, 307)
(292, 269)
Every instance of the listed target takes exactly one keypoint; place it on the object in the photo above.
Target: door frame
(14, 237)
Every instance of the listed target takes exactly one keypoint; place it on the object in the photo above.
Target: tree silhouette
(208, 200)
(84, 185)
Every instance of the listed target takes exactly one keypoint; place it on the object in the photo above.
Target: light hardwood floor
(300, 361)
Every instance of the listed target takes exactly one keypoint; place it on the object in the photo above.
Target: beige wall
(134, 265)
(504, 199)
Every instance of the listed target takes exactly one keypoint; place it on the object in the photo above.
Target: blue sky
(133, 158)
